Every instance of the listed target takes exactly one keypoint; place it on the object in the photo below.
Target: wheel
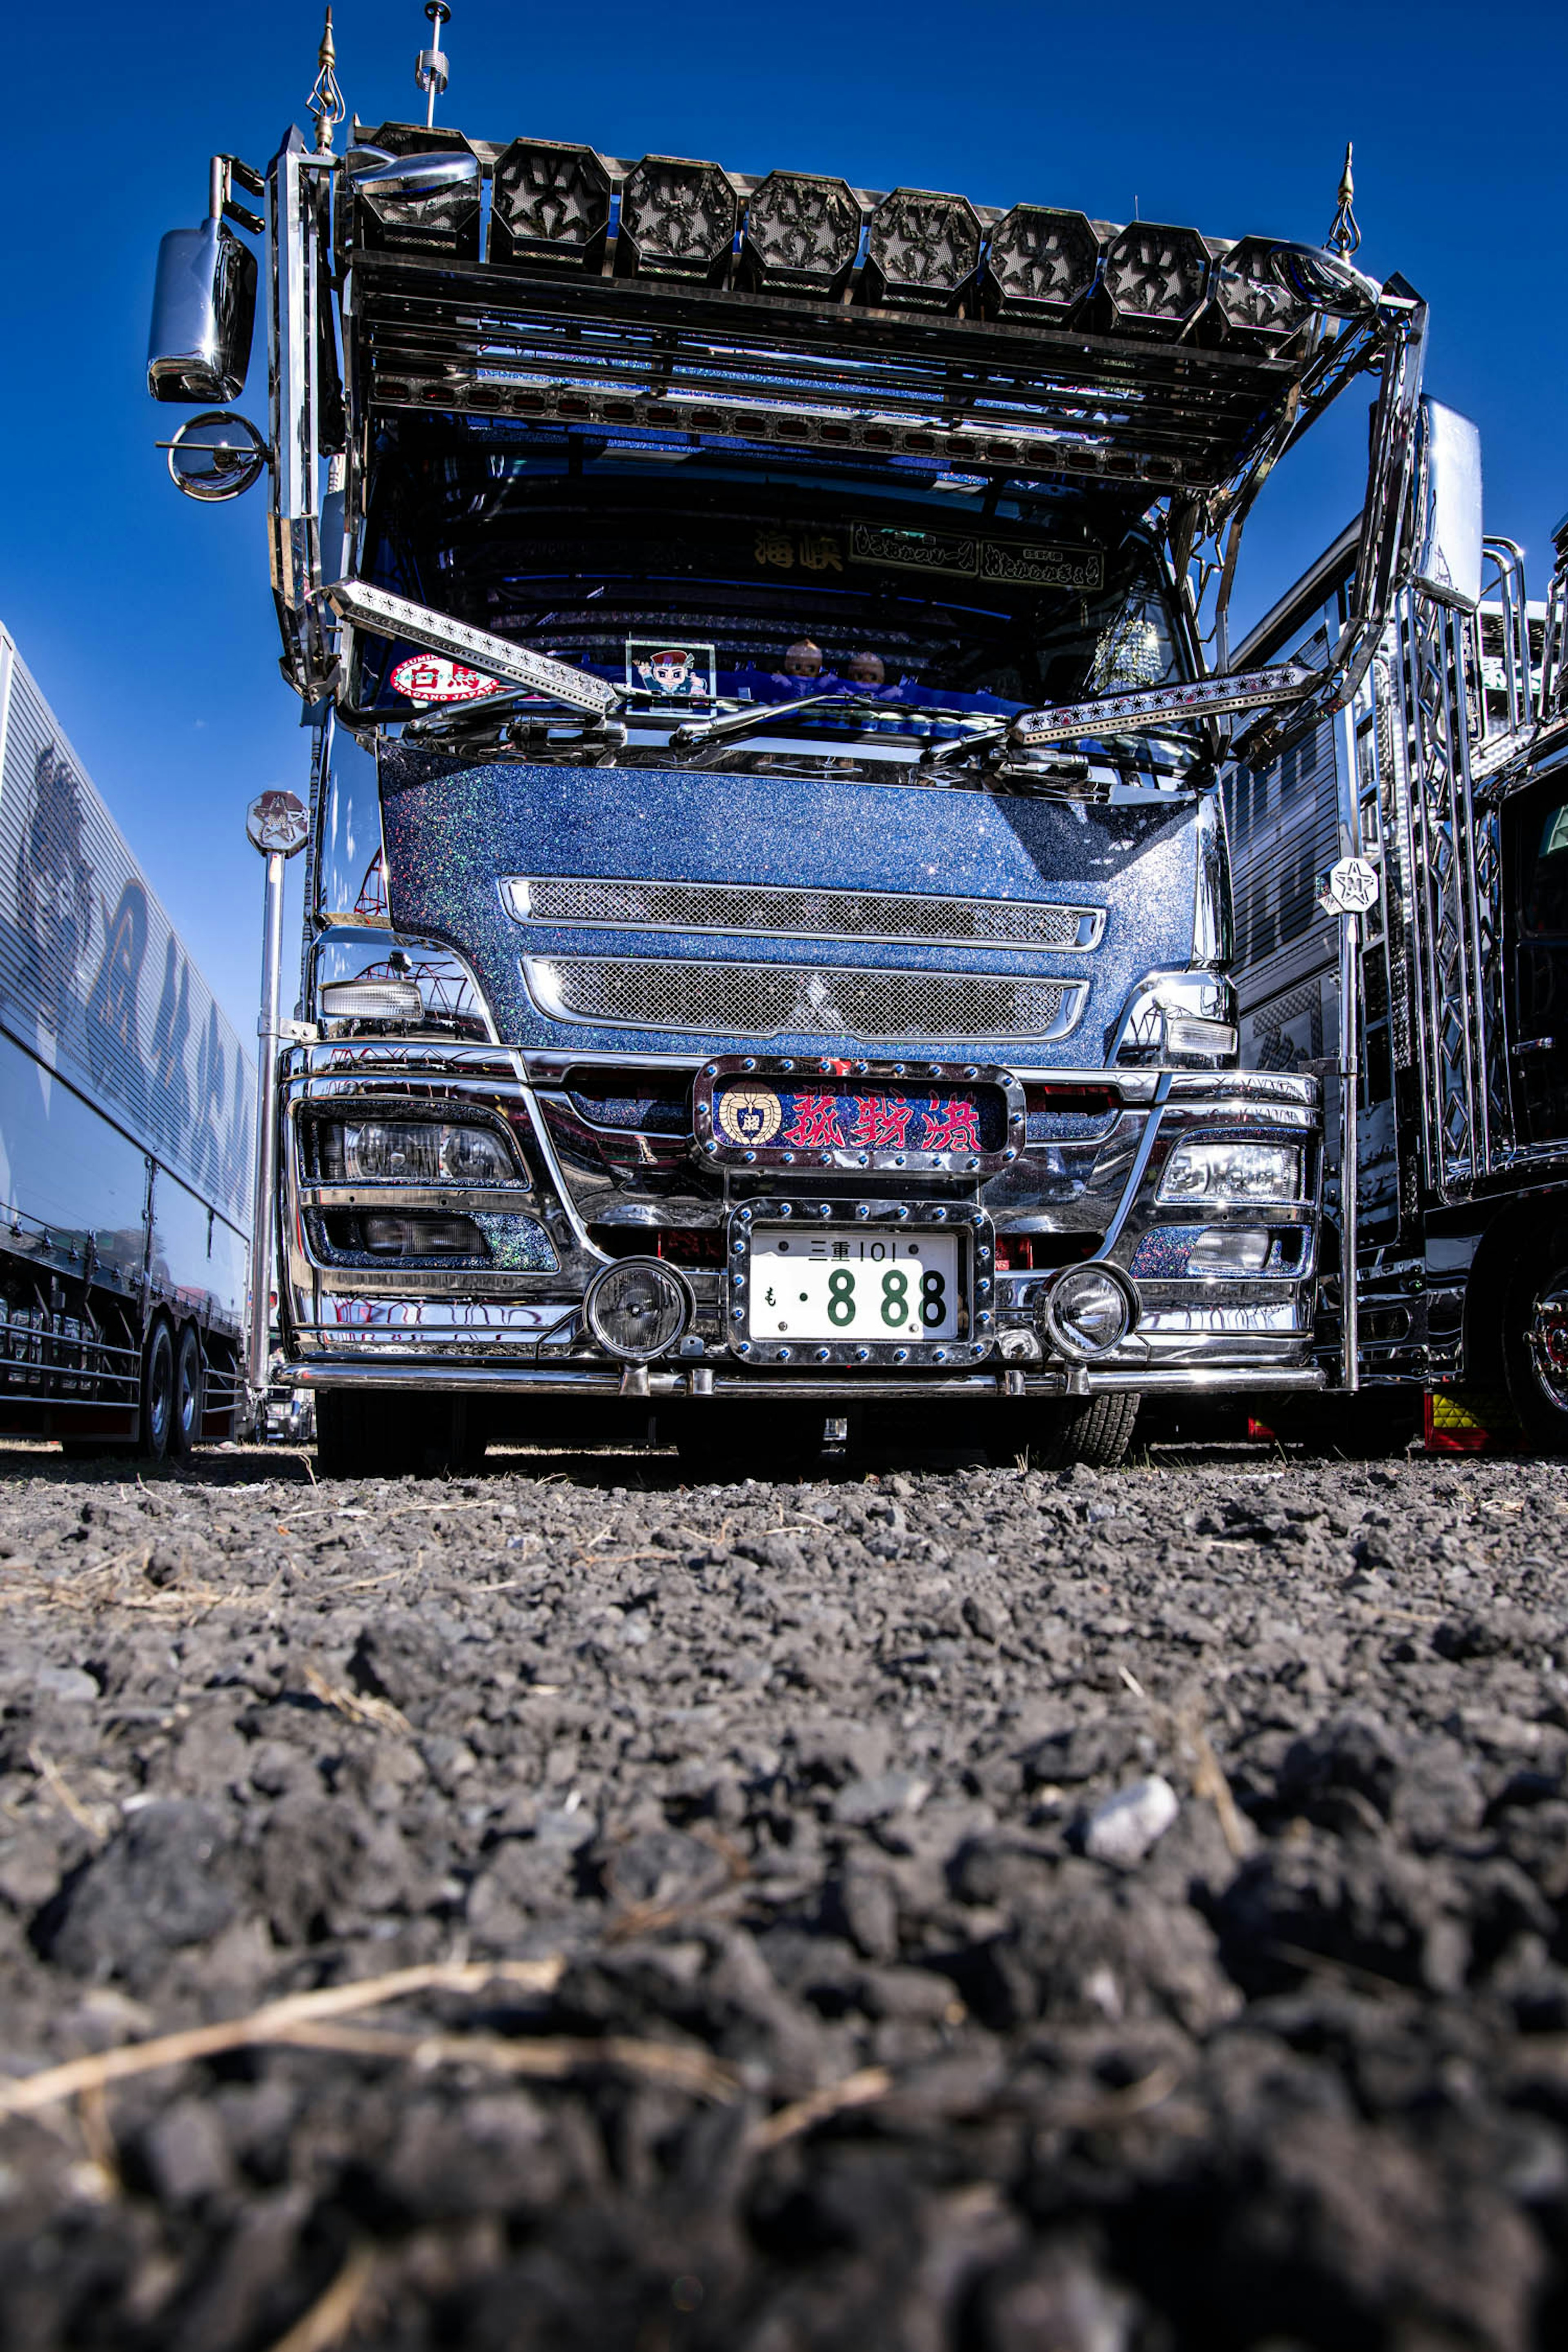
(1096, 1431)
(185, 1426)
(158, 1392)
(1535, 1341)
(363, 1434)
(719, 1444)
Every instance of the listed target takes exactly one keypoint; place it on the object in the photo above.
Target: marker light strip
(374, 608)
(1155, 706)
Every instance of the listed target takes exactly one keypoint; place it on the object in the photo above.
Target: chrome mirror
(203, 311)
(215, 456)
(373, 171)
(1448, 507)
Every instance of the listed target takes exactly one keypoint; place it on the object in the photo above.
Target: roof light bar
(677, 219)
(552, 205)
(1149, 706)
(394, 616)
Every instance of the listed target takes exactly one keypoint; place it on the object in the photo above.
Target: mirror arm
(1385, 552)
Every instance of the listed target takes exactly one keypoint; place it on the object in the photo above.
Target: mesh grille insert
(805, 913)
(771, 1000)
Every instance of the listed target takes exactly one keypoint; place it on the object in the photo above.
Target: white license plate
(854, 1282)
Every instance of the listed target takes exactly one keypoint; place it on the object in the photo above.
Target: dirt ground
(602, 1914)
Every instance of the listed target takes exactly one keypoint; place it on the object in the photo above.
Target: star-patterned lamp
(677, 220)
(1040, 262)
(1155, 278)
(551, 206)
(922, 251)
(801, 234)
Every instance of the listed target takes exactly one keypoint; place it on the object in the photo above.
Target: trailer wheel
(1535, 1343)
(1096, 1431)
(158, 1412)
(185, 1427)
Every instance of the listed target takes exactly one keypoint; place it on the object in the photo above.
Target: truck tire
(1096, 1431)
(185, 1427)
(1535, 1348)
(157, 1392)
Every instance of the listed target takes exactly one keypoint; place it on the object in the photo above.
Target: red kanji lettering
(880, 1123)
(952, 1126)
(816, 1123)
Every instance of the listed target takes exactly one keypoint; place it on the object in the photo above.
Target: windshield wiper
(757, 717)
(754, 717)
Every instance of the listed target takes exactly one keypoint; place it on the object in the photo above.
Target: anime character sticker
(54, 892)
(673, 673)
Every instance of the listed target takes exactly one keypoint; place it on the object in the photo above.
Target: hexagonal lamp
(1040, 262)
(923, 252)
(1155, 278)
(801, 234)
(550, 204)
(677, 220)
(1256, 294)
(424, 198)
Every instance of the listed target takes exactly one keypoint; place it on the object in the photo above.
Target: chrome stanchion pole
(1348, 890)
(276, 824)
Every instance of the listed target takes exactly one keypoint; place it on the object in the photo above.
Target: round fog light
(1088, 1309)
(638, 1308)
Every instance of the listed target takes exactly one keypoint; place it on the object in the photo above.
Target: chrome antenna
(326, 100)
(1344, 235)
(430, 68)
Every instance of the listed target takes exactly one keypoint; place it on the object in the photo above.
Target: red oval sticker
(431, 677)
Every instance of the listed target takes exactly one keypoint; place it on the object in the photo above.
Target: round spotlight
(637, 1309)
(1088, 1310)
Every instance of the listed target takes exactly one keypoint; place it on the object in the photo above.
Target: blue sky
(148, 619)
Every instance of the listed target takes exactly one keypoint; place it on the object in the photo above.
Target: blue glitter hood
(454, 830)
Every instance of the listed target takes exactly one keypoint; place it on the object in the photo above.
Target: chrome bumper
(521, 1334)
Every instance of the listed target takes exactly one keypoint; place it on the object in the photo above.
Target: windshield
(690, 578)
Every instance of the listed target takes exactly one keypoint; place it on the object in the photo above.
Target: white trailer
(125, 1126)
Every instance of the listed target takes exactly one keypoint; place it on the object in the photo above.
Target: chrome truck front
(471, 1217)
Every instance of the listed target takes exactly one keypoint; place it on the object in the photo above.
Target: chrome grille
(775, 1000)
(803, 913)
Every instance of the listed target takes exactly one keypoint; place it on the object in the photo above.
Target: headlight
(1239, 1173)
(414, 1151)
(638, 1308)
(1185, 1036)
(424, 1237)
(1088, 1310)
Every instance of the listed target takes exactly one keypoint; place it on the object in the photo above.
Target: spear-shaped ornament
(326, 100)
(1344, 235)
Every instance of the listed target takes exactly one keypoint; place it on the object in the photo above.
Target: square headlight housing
(1233, 1172)
(424, 1151)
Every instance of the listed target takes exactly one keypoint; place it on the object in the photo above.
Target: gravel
(993, 1911)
